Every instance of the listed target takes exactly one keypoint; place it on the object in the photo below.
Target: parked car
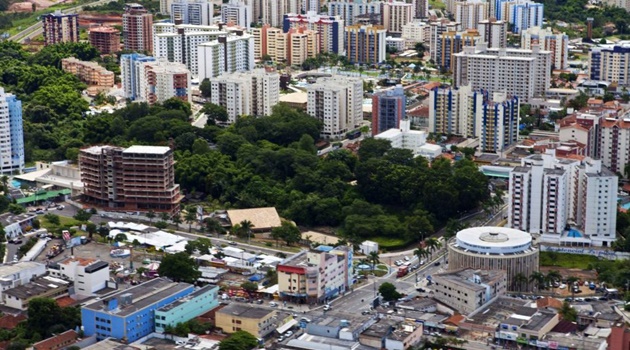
(327, 307)
(437, 263)
(232, 243)
(562, 286)
(280, 339)
(288, 334)
(273, 304)
(39, 212)
(60, 207)
(407, 258)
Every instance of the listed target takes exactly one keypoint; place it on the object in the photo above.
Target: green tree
(151, 215)
(287, 232)
(567, 312)
(374, 259)
(44, 315)
(421, 253)
(433, 244)
(16, 209)
(246, 229)
(239, 340)
(519, 280)
(52, 218)
(82, 215)
(215, 113)
(250, 288)
(91, 228)
(205, 88)
(538, 278)
(179, 267)
(571, 280)
(177, 219)
(213, 225)
(420, 49)
(373, 148)
(388, 292)
(190, 217)
(552, 277)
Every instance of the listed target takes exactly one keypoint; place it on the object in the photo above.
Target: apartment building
(470, 13)
(467, 290)
(195, 12)
(475, 113)
(415, 32)
(246, 93)
(60, 28)
(337, 102)
(138, 178)
(329, 29)
(137, 29)
(161, 80)
(494, 32)
(315, 276)
(583, 128)
(421, 8)
(180, 42)
(130, 73)
(388, 109)
(272, 11)
(524, 15)
(348, 10)
(90, 73)
(365, 44)
(395, 14)
(450, 43)
(129, 314)
(105, 39)
(238, 12)
(557, 44)
(254, 320)
(564, 200)
(437, 28)
(11, 134)
(611, 64)
(292, 47)
(614, 146)
(517, 72)
(185, 309)
(231, 53)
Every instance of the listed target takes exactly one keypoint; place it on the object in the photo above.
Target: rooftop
(245, 311)
(58, 341)
(147, 149)
(380, 329)
(36, 287)
(7, 219)
(500, 237)
(472, 279)
(187, 298)
(110, 344)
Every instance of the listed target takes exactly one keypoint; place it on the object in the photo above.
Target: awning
(285, 327)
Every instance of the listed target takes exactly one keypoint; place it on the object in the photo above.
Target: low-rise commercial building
(256, 321)
(392, 335)
(89, 275)
(43, 287)
(90, 73)
(19, 273)
(404, 137)
(194, 304)
(467, 290)
(527, 324)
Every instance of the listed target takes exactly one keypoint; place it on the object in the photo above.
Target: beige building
(494, 32)
(470, 13)
(396, 14)
(90, 73)
(467, 290)
(256, 321)
(292, 48)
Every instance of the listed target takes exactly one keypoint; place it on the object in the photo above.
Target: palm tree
(246, 227)
(552, 277)
(373, 258)
(213, 225)
(5, 183)
(177, 219)
(538, 278)
(150, 215)
(518, 280)
(164, 216)
(190, 217)
(421, 253)
(433, 244)
(570, 282)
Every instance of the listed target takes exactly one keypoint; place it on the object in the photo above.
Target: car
(422, 262)
(365, 312)
(180, 342)
(288, 334)
(588, 300)
(398, 263)
(407, 258)
(327, 307)
(437, 263)
(306, 320)
(280, 339)
(16, 241)
(241, 299)
(232, 243)
(579, 299)
(562, 286)
(273, 304)
(259, 301)
(568, 299)
(39, 212)
(60, 207)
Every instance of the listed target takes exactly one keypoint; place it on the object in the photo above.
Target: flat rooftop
(246, 311)
(6, 270)
(466, 278)
(187, 298)
(147, 150)
(36, 287)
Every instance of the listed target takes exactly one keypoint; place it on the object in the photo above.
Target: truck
(402, 271)
(54, 251)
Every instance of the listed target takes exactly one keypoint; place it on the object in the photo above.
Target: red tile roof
(455, 320)
(57, 342)
(10, 321)
(549, 302)
(65, 301)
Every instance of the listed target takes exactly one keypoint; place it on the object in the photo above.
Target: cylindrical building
(495, 248)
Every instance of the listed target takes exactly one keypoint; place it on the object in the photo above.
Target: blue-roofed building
(11, 132)
(197, 303)
(130, 314)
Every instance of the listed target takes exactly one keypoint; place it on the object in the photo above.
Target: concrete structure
(524, 15)
(262, 219)
(368, 247)
(365, 44)
(337, 102)
(15, 225)
(585, 129)
(89, 275)
(449, 43)
(614, 146)
(130, 314)
(252, 93)
(60, 28)
(390, 334)
(397, 44)
(137, 29)
(430, 151)
(256, 321)
(494, 32)
(557, 44)
(329, 29)
(349, 10)
(611, 64)
(130, 73)
(19, 273)
(468, 290)
(238, 12)
(88, 72)
(138, 178)
(316, 276)
(183, 310)
(60, 341)
(161, 80)
(388, 109)
(494, 248)
(567, 201)
(470, 13)
(437, 28)
(105, 39)
(421, 8)
(195, 12)
(404, 137)
(517, 72)
(11, 134)
(231, 53)
(529, 324)
(416, 31)
(292, 47)
(395, 14)
(42, 287)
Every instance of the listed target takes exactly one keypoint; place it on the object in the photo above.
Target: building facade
(329, 29)
(60, 28)
(517, 72)
(105, 39)
(88, 72)
(524, 15)
(183, 310)
(416, 31)
(470, 13)
(256, 321)
(388, 109)
(615, 143)
(89, 275)
(231, 53)
(337, 102)
(404, 138)
(19, 273)
(130, 73)
(195, 12)
(237, 12)
(348, 10)
(611, 64)
(395, 14)
(138, 178)
(137, 29)
(468, 290)
(437, 28)
(41, 287)
(365, 44)
(494, 32)
(557, 44)
(161, 80)
(450, 43)
(11, 133)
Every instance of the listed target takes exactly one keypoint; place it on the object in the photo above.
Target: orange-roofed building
(60, 341)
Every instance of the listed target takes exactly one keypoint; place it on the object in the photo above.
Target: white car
(562, 286)
(407, 258)
(326, 307)
(273, 304)
(398, 263)
(288, 334)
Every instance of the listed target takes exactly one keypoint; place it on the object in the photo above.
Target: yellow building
(292, 48)
(90, 73)
(256, 321)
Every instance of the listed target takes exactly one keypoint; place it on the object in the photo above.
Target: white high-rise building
(232, 53)
(246, 93)
(614, 144)
(272, 11)
(160, 80)
(416, 31)
(558, 44)
(396, 14)
(525, 14)
(11, 134)
(470, 13)
(566, 201)
(237, 12)
(517, 72)
(179, 42)
(337, 102)
(349, 9)
(197, 12)
(438, 28)
(494, 32)
(130, 74)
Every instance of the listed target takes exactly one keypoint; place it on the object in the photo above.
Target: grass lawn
(437, 4)
(381, 267)
(570, 261)
(63, 222)
(380, 273)
(389, 243)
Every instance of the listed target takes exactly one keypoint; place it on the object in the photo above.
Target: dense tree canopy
(179, 267)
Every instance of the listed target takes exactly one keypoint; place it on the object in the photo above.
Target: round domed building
(495, 248)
